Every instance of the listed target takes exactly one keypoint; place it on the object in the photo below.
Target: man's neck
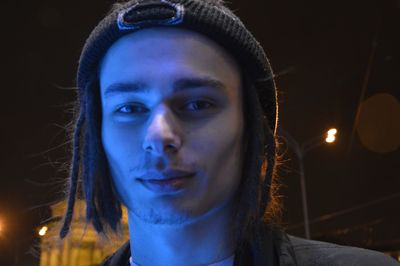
(205, 241)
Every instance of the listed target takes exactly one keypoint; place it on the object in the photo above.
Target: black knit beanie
(208, 17)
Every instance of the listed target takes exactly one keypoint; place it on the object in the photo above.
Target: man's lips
(164, 175)
(166, 181)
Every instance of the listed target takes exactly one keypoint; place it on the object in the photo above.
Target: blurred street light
(331, 135)
(43, 230)
(300, 151)
(332, 131)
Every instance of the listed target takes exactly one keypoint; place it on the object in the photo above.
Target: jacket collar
(277, 251)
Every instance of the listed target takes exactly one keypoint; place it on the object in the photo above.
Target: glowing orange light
(332, 131)
(330, 139)
(43, 230)
(331, 135)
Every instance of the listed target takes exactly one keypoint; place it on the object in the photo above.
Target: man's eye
(198, 105)
(132, 109)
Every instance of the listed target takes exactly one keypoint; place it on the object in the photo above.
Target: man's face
(172, 124)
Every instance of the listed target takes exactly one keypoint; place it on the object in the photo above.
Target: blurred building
(83, 246)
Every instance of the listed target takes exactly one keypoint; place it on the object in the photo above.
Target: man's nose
(162, 135)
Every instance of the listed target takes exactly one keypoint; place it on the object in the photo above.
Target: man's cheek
(121, 139)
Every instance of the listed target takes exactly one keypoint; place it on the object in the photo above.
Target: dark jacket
(288, 250)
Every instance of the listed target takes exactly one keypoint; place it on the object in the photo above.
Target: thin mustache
(148, 163)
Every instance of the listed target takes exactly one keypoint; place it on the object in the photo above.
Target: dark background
(328, 57)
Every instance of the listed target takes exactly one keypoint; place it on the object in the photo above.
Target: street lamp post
(300, 151)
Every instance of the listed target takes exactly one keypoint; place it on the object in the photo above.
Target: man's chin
(163, 217)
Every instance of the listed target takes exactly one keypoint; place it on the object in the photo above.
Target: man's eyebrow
(191, 83)
(179, 85)
(125, 87)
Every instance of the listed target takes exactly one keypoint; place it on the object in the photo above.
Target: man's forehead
(175, 58)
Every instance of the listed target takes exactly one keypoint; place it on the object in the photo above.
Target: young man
(177, 121)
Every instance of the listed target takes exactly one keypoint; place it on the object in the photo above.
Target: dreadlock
(74, 172)
(103, 208)
(258, 203)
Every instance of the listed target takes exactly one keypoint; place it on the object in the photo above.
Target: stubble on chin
(161, 217)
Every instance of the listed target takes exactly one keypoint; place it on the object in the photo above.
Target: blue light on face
(170, 114)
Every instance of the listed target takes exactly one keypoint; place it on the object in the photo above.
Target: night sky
(336, 63)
